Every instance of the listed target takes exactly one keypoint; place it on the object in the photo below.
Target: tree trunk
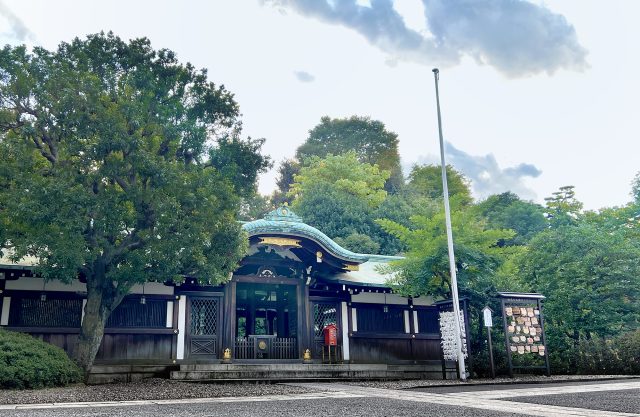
(100, 303)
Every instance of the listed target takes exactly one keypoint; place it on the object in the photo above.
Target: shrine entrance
(266, 321)
(202, 336)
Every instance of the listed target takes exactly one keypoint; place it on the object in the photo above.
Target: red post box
(330, 335)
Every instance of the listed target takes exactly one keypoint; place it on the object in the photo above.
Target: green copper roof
(283, 221)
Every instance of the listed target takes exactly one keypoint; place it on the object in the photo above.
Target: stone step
(428, 367)
(106, 374)
(298, 372)
(106, 369)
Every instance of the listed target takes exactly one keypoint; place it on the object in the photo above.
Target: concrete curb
(136, 403)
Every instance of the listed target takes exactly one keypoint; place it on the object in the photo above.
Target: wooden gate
(203, 322)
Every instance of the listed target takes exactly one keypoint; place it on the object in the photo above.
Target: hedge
(26, 362)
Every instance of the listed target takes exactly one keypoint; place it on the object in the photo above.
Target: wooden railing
(266, 347)
(244, 348)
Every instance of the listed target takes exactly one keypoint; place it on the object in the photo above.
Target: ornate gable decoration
(283, 214)
(282, 227)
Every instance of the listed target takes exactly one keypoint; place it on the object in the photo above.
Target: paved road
(506, 386)
(365, 407)
(614, 399)
(624, 401)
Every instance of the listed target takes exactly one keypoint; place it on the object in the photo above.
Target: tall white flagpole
(452, 262)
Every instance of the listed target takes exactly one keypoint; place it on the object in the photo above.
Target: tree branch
(130, 243)
(43, 151)
(51, 144)
(122, 183)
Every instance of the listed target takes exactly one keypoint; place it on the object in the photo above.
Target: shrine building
(293, 282)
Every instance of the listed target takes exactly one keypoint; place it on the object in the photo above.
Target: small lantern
(226, 356)
(306, 356)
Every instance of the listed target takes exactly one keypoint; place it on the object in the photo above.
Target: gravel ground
(154, 389)
(624, 401)
(530, 379)
(148, 389)
(352, 407)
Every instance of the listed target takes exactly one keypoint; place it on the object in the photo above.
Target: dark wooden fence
(382, 336)
(136, 331)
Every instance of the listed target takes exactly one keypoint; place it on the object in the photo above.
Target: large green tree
(345, 173)
(342, 197)
(369, 139)
(337, 194)
(120, 165)
(508, 211)
(287, 170)
(425, 270)
(590, 274)
(563, 208)
(426, 181)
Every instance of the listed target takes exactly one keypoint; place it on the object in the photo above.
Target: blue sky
(535, 95)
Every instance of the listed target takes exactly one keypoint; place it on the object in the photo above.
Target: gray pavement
(605, 399)
(471, 387)
(365, 407)
(623, 401)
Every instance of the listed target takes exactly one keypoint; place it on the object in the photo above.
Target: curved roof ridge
(284, 221)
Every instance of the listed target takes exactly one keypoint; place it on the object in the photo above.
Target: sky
(534, 95)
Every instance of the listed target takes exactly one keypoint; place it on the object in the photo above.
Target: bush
(26, 362)
(628, 347)
(620, 355)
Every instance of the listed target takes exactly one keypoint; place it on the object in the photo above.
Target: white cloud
(304, 76)
(487, 177)
(17, 29)
(516, 37)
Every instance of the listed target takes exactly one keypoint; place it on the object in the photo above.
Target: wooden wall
(390, 334)
(401, 349)
(155, 346)
(144, 345)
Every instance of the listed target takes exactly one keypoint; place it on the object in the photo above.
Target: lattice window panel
(323, 314)
(131, 314)
(204, 316)
(54, 312)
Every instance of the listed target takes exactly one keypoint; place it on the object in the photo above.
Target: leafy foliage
(628, 348)
(335, 212)
(369, 139)
(563, 208)
(426, 267)
(342, 197)
(507, 211)
(344, 173)
(26, 362)
(287, 170)
(426, 180)
(254, 207)
(359, 243)
(120, 164)
(591, 277)
(598, 355)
